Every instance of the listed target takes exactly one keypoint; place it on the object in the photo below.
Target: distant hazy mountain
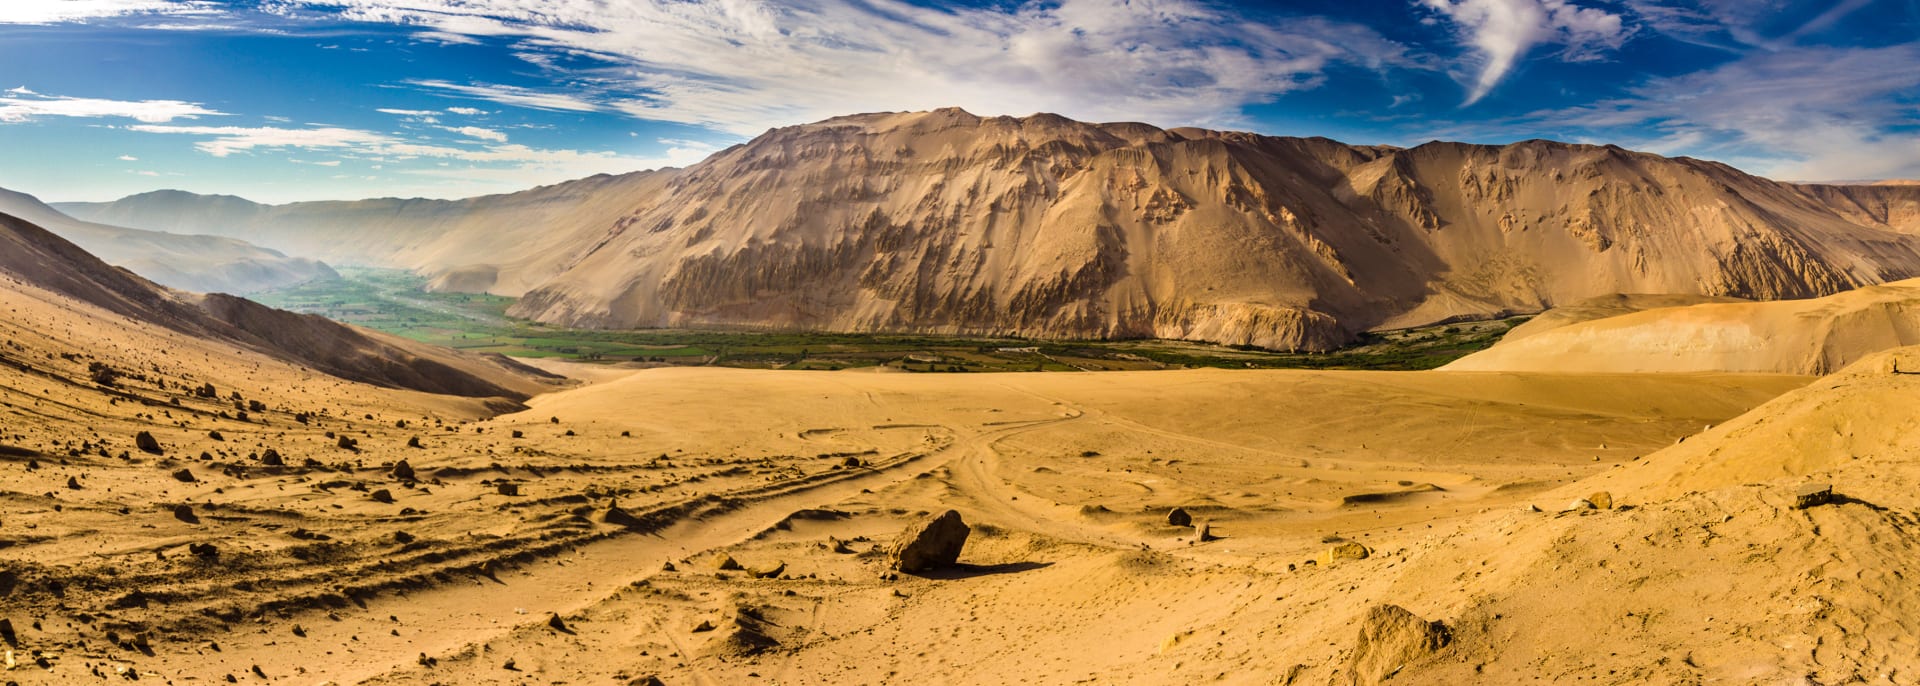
(500, 243)
(199, 263)
(945, 222)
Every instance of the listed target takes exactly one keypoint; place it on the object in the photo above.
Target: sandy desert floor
(575, 541)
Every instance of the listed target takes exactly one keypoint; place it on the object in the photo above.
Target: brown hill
(1814, 336)
(945, 222)
(36, 259)
(199, 263)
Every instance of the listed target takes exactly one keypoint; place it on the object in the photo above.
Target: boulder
(1390, 639)
(723, 562)
(1349, 550)
(1203, 532)
(184, 476)
(1179, 517)
(147, 443)
(403, 471)
(930, 543)
(382, 495)
(1812, 495)
(1601, 500)
(184, 512)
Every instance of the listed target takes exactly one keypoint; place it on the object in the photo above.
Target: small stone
(558, 624)
(1812, 495)
(1203, 532)
(271, 458)
(184, 512)
(773, 572)
(402, 470)
(184, 476)
(703, 627)
(506, 488)
(73, 483)
(724, 563)
(382, 495)
(1578, 505)
(414, 442)
(1601, 500)
(147, 443)
(1179, 517)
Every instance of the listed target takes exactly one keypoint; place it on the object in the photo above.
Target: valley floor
(603, 506)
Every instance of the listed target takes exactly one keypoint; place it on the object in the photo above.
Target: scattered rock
(648, 680)
(147, 443)
(838, 546)
(6, 633)
(402, 470)
(214, 434)
(414, 442)
(506, 488)
(403, 537)
(850, 462)
(703, 627)
(619, 517)
(1577, 505)
(724, 563)
(205, 551)
(73, 483)
(1601, 500)
(184, 476)
(1812, 495)
(1350, 550)
(1203, 532)
(930, 543)
(1390, 639)
(271, 458)
(558, 624)
(519, 434)
(184, 512)
(382, 495)
(773, 572)
(348, 443)
(1178, 517)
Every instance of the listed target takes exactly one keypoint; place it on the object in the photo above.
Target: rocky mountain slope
(1816, 336)
(199, 263)
(945, 222)
(39, 264)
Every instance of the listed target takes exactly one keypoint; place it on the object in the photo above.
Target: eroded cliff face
(944, 222)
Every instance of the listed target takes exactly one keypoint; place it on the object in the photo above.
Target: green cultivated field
(394, 301)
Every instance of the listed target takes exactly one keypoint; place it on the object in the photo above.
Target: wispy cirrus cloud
(59, 11)
(1502, 32)
(742, 66)
(20, 105)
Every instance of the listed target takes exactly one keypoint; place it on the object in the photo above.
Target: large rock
(931, 543)
(1390, 639)
(147, 443)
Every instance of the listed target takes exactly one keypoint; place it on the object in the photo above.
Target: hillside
(1816, 336)
(191, 262)
(944, 222)
(39, 264)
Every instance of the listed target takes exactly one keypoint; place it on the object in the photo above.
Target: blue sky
(281, 100)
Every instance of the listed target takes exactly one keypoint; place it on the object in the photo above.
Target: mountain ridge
(946, 222)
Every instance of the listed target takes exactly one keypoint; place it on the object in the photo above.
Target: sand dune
(1813, 336)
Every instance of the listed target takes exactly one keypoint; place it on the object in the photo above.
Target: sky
(287, 100)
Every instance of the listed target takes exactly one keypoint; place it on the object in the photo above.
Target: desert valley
(735, 342)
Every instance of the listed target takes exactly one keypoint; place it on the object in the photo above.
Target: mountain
(945, 222)
(1816, 336)
(503, 244)
(35, 262)
(199, 263)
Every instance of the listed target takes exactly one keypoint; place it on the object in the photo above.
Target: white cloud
(22, 105)
(58, 11)
(477, 132)
(227, 140)
(513, 95)
(1799, 114)
(1503, 31)
(745, 65)
(466, 111)
(129, 158)
(407, 113)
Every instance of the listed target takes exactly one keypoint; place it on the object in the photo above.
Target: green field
(395, 301)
